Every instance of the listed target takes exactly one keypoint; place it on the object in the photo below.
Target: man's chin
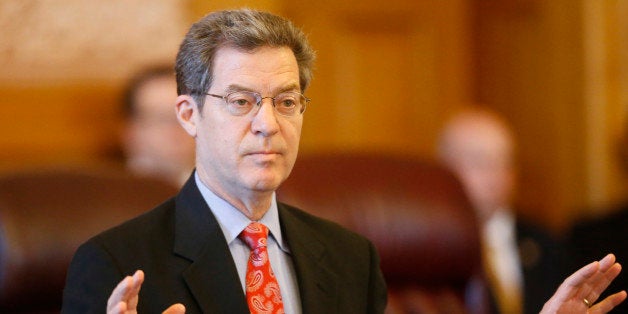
(267, 183)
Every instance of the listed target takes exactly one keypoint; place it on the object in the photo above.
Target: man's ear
(187, 113)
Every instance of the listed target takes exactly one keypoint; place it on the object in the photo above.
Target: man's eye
(240, 102)
(288, 102)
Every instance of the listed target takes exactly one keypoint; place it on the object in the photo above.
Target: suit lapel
(212, 277)
(317, 282)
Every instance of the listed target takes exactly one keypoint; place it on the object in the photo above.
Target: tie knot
(254, 235)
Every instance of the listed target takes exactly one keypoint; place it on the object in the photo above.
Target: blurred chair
(416, 214)
(46, 214)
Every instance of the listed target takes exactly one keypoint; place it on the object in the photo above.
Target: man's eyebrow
(289, 88)
(239, 88)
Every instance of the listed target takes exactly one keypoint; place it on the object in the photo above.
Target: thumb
(175, 309)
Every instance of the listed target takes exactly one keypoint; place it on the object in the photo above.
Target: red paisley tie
(262, 289)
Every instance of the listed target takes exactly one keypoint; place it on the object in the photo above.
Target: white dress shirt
(500, 239)
(232, 222)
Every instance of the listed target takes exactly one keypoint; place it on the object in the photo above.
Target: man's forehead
(240, 57)
(234, 69)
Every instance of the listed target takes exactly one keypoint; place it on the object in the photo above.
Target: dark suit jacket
(184, 255)
(543, 264)
(592, 239)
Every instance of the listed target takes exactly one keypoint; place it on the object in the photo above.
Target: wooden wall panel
(386, 74)
(57, 124)
(65, 40)
(605, 44)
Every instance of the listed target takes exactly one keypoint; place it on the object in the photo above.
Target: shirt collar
(232, 221)
(500, 226)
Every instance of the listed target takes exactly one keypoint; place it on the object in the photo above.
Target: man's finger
(607, 262)
(609, 303)
(175, 309)
(118, 293)
(572, 284)
(124, 291)
(138, 280)
(602, 281)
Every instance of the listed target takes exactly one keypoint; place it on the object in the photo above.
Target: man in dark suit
(240, 78)
(191, 253)
(523, 263)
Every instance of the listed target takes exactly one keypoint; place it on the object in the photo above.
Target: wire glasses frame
(287, 104)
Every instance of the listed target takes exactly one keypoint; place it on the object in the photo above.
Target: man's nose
(265, 119)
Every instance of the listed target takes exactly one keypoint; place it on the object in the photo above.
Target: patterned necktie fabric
(262, 289)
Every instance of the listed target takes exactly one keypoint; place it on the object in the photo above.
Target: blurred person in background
(154, 144)
(521, 262)
(603, 233)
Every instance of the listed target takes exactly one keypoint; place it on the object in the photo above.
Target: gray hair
(243, 29)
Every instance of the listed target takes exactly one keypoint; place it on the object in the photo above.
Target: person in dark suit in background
(240, 79)
(523, 263)
(592, 235)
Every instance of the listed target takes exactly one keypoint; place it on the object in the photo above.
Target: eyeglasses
(287, 104)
